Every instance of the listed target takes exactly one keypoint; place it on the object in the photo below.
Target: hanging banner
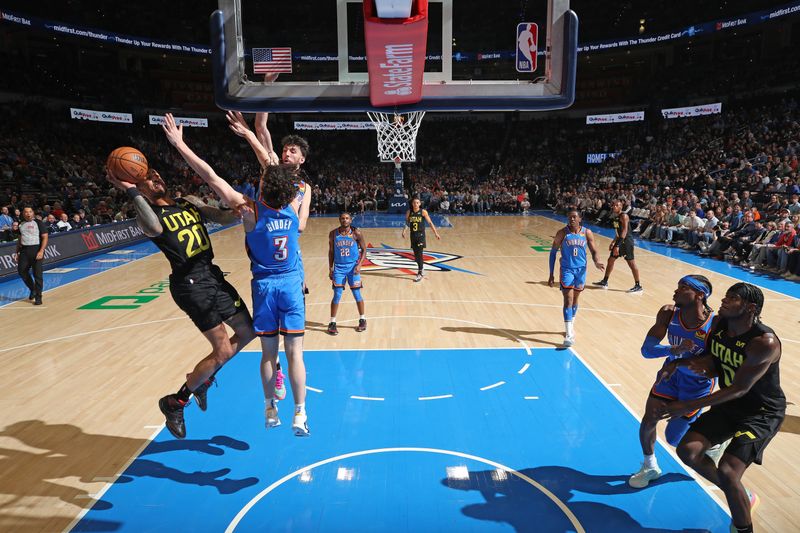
(301, 125)
(181, 121)
(100, 116)
(630, 116)
(693, 111)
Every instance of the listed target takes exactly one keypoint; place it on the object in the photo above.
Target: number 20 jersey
(273, 245)
(184, 239)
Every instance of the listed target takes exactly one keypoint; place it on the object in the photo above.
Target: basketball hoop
(397, 135)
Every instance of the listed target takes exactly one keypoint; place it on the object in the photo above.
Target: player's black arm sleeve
(146, 218)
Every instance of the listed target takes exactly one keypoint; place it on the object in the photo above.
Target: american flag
(270, 60)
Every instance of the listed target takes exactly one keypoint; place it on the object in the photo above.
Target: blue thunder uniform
(277, 268)
(573, 260)
(684, 384)
(345, 259)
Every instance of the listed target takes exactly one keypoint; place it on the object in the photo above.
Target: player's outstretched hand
(173, 132)
(237, 123)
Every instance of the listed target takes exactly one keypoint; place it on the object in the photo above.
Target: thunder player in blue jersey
(686, 326)
(272, 224)
(346, 251)
(572, 241)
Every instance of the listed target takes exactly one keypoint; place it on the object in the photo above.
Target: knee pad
(357, 294)
(676, 429)
(337, 294)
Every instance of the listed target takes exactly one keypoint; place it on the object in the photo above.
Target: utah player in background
(572, 241)
(415, 220)
(272, 225)
(346, 251)
(621, 246)
(177, 227)
(685, 325)
(749, 407)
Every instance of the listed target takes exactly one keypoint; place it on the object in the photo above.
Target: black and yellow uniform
(753, 419)
(416, 223)
(196, 284)
(625, 245)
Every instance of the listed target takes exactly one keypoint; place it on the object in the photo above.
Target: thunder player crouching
(686, 325)
(572, 240)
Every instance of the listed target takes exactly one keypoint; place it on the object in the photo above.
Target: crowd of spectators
(724, 185)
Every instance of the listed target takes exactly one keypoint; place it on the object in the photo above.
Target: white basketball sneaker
(644, 476)
(300, 425)
(569, 340)
(271, 415)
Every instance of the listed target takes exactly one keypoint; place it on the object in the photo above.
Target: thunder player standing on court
(415, 219)
(197, 285)
(346, 252)
(621, 246)
(749, 407)
(572, 240)
(272, 225)
(686, 326)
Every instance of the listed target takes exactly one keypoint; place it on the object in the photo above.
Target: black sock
(183, 394)
(744, 529)
(278, 366)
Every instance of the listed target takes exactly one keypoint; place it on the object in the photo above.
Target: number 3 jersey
(273, 245)
(184, 239)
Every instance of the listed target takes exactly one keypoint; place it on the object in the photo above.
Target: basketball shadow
(36, 456)
(510, 334)
(516, 502)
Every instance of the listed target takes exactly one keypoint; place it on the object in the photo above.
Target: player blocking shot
(346, 252)
(272, 224)
(572, 241)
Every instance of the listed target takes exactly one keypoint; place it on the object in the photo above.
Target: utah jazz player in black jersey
(750, 405)
(196, 284)
(415, 220)
(621, 246)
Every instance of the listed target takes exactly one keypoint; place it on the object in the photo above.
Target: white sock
(299, 408)
(569, 329)
(650, 461)
(362, 317)
(333, 319)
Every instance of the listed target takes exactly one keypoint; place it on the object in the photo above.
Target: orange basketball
(127, 164)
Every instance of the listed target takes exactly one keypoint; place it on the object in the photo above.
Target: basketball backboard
(472, 60)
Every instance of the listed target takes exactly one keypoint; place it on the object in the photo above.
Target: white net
(397, 135)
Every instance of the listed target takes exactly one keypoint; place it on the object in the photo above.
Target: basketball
(127, 164)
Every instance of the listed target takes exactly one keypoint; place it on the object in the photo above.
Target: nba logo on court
(527, 45)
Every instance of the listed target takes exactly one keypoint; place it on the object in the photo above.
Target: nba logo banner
(527, 46)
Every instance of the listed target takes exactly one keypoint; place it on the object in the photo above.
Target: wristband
(132, 192)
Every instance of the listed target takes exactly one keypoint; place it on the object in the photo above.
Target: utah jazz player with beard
(750, 406)
(177, 227)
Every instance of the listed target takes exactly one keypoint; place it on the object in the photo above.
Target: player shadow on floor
(588, 287)
(526, 508)
(36, 456)
(791, 424)
(398, 275)
(511, 334)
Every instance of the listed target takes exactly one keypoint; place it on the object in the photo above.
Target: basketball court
(455, 410)
(458, 409)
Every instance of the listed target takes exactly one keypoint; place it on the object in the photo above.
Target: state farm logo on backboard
(388, 258)
(397, 69)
